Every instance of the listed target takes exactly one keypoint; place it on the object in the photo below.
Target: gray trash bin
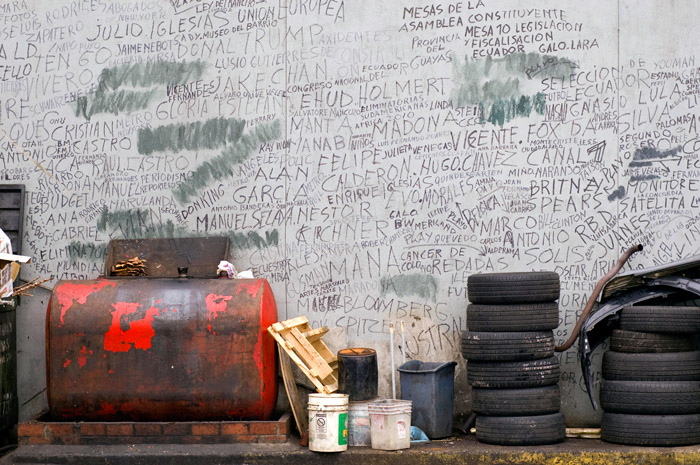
(430, 385)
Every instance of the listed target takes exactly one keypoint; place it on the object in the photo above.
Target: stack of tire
(650, 393)
(511, 365)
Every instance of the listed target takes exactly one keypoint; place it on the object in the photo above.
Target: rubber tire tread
(661, 319)
(651, 430)
(515, 317)
(512, 375)
(503, 347)
(650, 397)
(513, 288)
(636, 342)
(516, 402)
(513, 278)
(521, 431)
(515, 295)
(674, 366)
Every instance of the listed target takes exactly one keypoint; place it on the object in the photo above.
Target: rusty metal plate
(200, 255)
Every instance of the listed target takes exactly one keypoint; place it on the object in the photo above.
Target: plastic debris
(418, 436)
(231, 271)
(247, 274)
(228, 268)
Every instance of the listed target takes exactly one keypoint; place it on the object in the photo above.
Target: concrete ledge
(456, 451)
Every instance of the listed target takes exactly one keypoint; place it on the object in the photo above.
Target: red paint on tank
(140, 331)
(66, 363)
(70, 293)
(107, 409)
(268, 351)
(82, 357)
(251, 286)
(215, 304)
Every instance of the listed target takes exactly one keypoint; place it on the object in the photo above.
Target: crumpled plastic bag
(228, 268)
(231, 271)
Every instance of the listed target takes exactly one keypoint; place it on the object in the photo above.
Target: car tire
(651, 430)
(674, 366)
(516, 402)
(513, 288)
(521, 431)
(622, 340)
(515, 346)
(511, 375)
(650, 397)
(514, 317)
(661, 319)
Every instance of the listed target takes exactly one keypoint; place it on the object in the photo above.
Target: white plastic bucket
(359, 433)
(390, 424)
(328, 422)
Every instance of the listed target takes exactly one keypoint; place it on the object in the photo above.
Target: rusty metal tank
(161, 350)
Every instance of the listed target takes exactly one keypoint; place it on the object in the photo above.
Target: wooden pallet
(307, 350)
(302, 344)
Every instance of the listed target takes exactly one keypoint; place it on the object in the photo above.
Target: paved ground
(454, 451)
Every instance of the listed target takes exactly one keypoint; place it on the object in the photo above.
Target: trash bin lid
(417, 366)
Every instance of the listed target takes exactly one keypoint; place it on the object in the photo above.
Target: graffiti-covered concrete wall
(365, 157)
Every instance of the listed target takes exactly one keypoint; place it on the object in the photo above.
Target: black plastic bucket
(357, 373)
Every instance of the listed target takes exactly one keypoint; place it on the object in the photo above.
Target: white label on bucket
(321, 425)
(401, 429)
